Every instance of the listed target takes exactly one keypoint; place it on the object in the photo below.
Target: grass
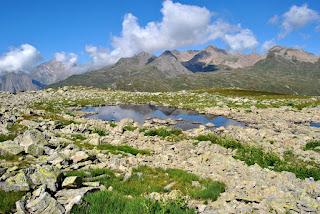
(14, 130)
(8, 200)
(114, 149)
(9, 157)
(122, 149)
(111, 202)
(313, 145)
(162, 132)
(144, 180)
(100, 132)
(255, 155)
(129, 128)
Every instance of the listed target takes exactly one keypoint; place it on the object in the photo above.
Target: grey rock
(70, 197)
(42, 203)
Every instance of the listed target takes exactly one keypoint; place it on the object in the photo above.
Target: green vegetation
(162, 132)
(100, 132)
(129, 128)
(8, 200)
(143, 181)
(61, 105)
(9, 157)
(313, 145)
(111, 202)
(114, 149)
(256, 155)
(14, 130)
(122, 149)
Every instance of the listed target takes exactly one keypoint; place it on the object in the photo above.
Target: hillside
(283, 70)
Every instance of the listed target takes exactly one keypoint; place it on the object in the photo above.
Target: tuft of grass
(122, 149)
(129, 128)
(255, 155)
(113, 202)
(313, 145)
(162, 132)
(14, 130)
(114, 149)
(100, 132)
(9, 157)
(8, 200)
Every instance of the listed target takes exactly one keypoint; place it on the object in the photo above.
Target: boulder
(48, 175)
(10, 147)
(69, 197)
(41, 202)
(18, 182)
(79, 156)
(72, 182)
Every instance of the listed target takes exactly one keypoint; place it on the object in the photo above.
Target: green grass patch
(115, 149)
(112, 202)
(14, 130)
(8, 200)
(100, 132)
(162, 132)
(255, 155)
(313, 145)
(129, 128)
(145, 180)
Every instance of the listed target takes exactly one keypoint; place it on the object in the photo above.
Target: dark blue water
(185, 119)
(315, 125)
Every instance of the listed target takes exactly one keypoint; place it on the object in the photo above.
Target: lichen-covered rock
(48, 175)
(70, 197)
(72, 182)
(10, 147)
(43, 203)
(18, 182)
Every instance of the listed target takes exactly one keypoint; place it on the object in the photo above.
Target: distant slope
(282, 71)
(14, 82)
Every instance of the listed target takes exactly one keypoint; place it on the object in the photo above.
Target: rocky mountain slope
(282, 70)
(54, 160)
(51, 72)
(14, 82)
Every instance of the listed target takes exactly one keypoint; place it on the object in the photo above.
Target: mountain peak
(212, 48)
(293, 54)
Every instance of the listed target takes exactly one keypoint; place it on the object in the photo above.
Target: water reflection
(185, 119)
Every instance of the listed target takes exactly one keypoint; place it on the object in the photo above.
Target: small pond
(315, 125)
(185, 119)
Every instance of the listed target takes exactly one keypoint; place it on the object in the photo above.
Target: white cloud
(19, 59)
(241, 40)
(181, 25)
(268, 44)
(68, 59)
(296, 18)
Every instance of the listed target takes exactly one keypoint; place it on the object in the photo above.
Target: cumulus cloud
(274, 20)
(19, 59)
(241, 40)
(181, 25)
(68, 59)
(297, 17)
(268, 44)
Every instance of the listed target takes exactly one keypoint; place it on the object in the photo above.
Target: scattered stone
(72, 182)
(69, 197)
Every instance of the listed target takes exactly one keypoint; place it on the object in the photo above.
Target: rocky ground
(44, 136)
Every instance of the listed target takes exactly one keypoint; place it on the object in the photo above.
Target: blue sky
(53, 26)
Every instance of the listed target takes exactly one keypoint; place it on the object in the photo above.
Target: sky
(96, 33)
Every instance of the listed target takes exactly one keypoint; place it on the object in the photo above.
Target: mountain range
(281, 70)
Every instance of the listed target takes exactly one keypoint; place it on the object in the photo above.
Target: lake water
(315, 125)
(185, 119)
